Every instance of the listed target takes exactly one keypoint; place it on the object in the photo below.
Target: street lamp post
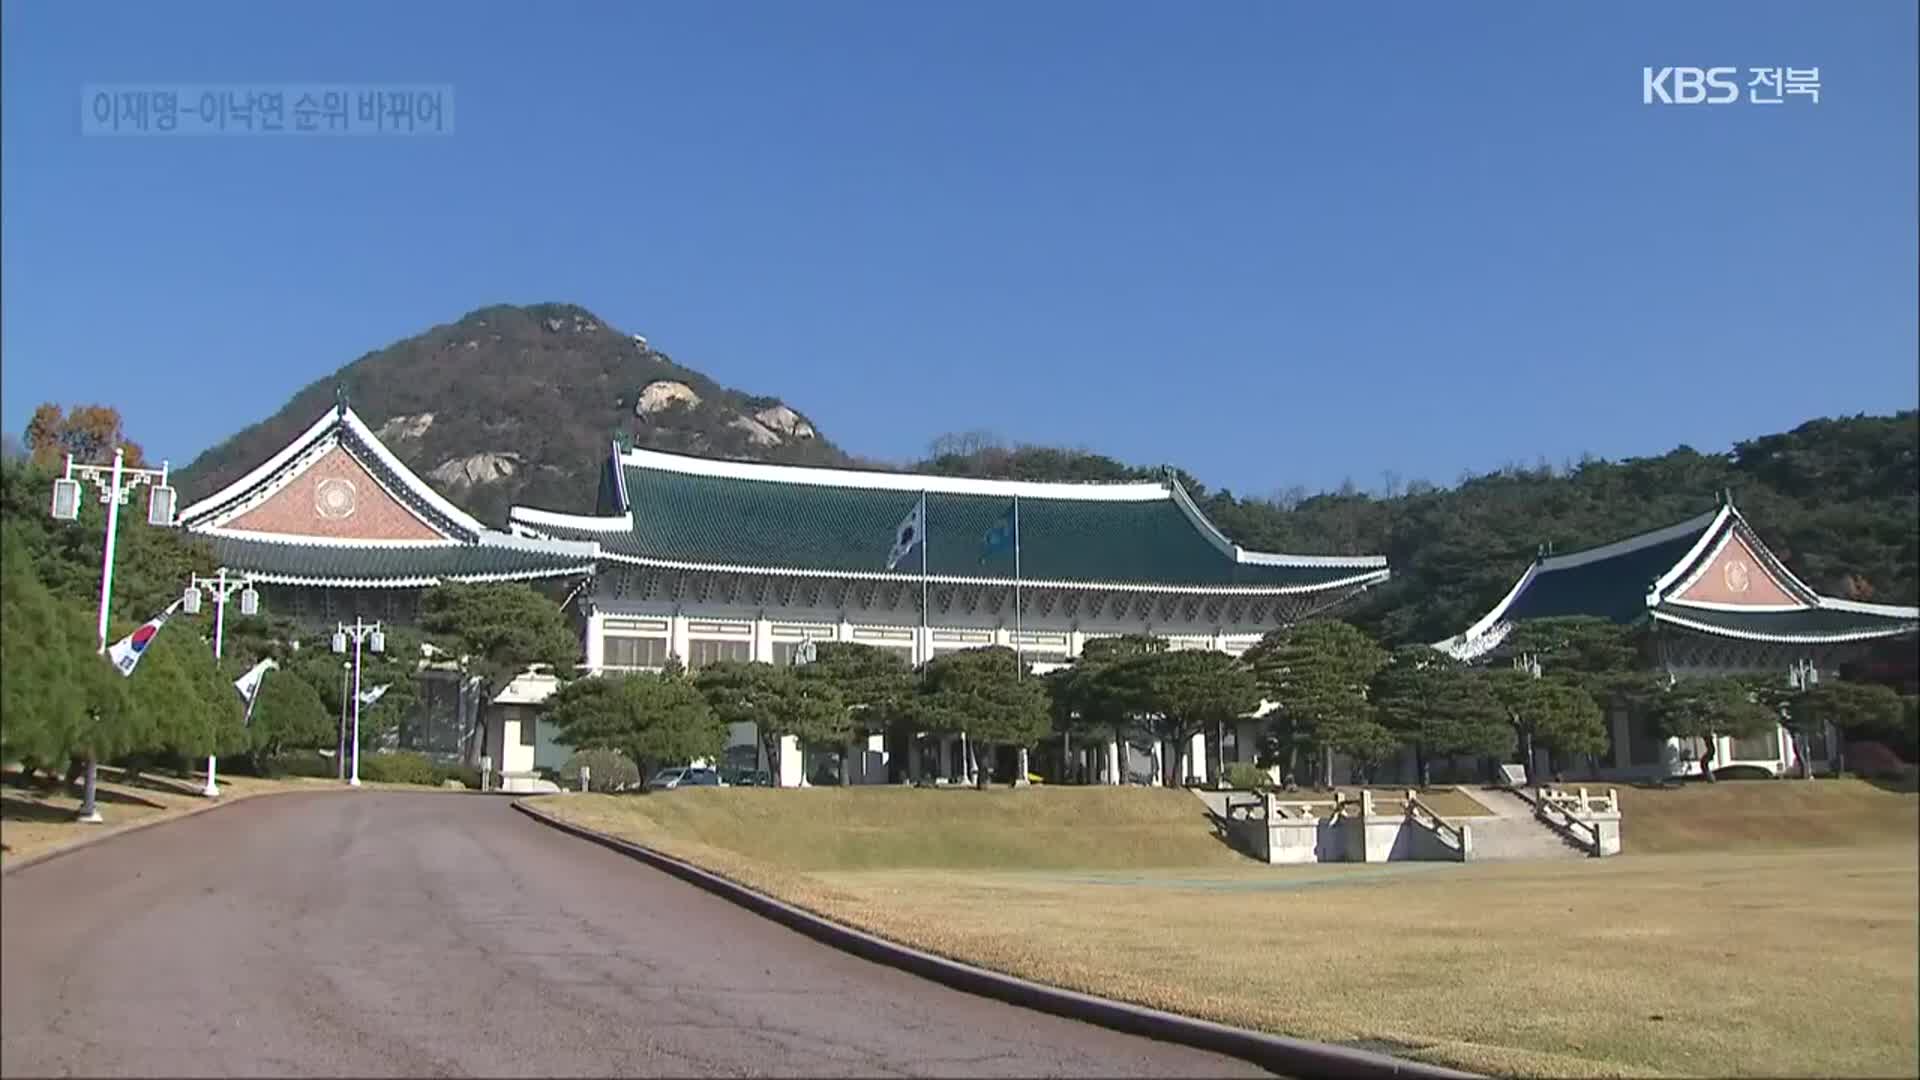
(371, 635)
(1803, 676)
(219, 587)
(115, 483)
(340, 740)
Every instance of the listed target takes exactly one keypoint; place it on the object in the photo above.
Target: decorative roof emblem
(335, 498)
(1738, 575)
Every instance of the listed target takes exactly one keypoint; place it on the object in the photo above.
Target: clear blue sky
(1275, 243)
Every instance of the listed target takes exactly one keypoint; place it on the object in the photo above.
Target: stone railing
(1591, 821)
(1454, 838)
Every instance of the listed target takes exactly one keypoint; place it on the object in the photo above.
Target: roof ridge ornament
(340, 399)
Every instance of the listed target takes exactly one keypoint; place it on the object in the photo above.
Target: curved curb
(1276, 1053)
(13, 865)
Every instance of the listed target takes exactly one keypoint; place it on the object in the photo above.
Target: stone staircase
(1510, 831)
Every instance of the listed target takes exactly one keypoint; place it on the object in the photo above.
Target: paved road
(400, 934)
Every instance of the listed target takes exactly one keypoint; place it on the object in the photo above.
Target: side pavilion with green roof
(1718, 602)
(334, 527)
(709, 560)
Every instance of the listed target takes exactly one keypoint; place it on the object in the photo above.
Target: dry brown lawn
(1797, 961)
(1765, 814)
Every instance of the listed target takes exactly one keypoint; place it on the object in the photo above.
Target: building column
(1020, 768)
(842, 629)
(792, 771)
(1197, 763)
(1159, 773)
(913, 757)
(596, 650)
(677, 637)
(946, 758)
(1114, 774)
(1076, 642)
(762, 638)
(876, 743)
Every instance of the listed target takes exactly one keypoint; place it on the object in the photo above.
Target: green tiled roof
(391, 565)
(1614, 588)
(1613, 582)
(1805, 625)
(840, 526)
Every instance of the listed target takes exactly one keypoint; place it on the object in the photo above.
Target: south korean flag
(911, 531)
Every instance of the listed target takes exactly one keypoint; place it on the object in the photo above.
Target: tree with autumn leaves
(88, 432)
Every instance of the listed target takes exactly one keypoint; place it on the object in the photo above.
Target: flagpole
(926, 643)
(1019, 657)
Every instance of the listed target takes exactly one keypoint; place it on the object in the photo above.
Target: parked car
(668, 779)
(745, 778)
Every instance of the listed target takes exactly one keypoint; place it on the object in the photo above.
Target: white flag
(368, 697)
(127, 652)
(249, 686)
(912, 530)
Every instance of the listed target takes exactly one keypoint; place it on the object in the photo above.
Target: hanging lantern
(249, 601)
(190, 600)
(160, 506)
(378, 641)
(66, 499)
(340, 641)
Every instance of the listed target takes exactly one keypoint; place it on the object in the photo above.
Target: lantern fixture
(340, 641)
(190, 600)
(66, 499)
(160, 506)
(377, 641)
(249, 601)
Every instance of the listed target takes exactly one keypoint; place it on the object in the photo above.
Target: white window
(704, 651)
(625, 653)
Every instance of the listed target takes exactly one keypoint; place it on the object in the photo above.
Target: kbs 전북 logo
(1722, 85)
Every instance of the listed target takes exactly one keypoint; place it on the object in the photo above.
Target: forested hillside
(518, 404)
(1838, 499)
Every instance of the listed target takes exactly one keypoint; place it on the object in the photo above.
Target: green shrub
(1244, 777)
(466, 774)
(609, 770)
(399, 767)
(295, 763)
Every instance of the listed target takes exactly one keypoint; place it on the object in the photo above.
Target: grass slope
(1764, 814)
(1686, 962)
(893, 828)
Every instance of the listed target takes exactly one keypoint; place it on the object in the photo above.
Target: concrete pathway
(404, 934)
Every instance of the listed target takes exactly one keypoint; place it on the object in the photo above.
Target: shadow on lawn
(153, 782)
(1224, 835)
(14, 808)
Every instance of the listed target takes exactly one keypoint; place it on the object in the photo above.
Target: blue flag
(999, 538)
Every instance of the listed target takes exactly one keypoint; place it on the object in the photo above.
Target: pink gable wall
(1736, 577)
(335, 498)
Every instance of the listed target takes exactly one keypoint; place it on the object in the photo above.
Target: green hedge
(399, 767)
(466, 774)
(1244, 777)
(297, 763)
